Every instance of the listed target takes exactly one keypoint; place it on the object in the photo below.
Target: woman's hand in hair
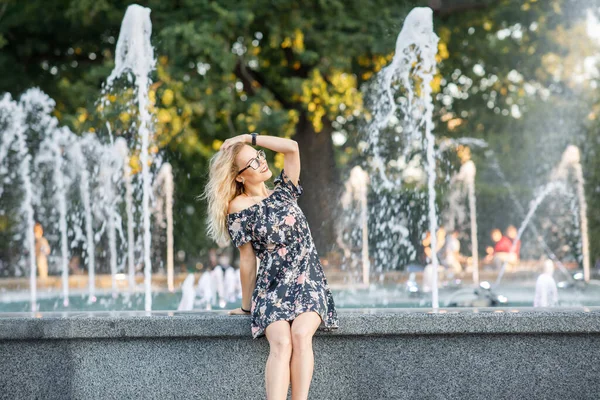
(245, 138)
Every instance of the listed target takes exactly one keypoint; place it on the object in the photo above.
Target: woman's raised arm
(288, 147)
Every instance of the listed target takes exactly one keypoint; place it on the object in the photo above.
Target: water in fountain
(205, 290)
(51, 152)
(352, 231)
(460, 183)
(106, 204)
(493, 163)
(86, 175)
(570, 157)
(470, 170)
(188, 294)
(232, 285)
(218, 295)
(411, 70)
(411, 105)
(123, 151)
(12, 125)
(69, 159)
(135, 55)
(546, 292)
(533, 206)
(163, 189)
(77, 157)
(464, 181)
(571, 160)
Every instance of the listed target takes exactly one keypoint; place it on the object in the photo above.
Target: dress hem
(326, 325)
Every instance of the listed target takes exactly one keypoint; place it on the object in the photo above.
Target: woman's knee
(279, 337)
(301, 336)
(281, 342)
(303, 330)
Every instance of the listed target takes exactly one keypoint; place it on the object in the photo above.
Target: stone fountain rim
(352, 322)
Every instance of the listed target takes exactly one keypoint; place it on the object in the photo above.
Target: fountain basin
(375, 354)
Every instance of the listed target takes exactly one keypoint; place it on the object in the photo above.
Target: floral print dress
(290, 278)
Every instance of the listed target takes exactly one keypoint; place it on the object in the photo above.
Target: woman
(288, 298)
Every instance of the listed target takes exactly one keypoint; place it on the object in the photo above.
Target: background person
(42, 251)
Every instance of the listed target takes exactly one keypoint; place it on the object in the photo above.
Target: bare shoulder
(239, 203)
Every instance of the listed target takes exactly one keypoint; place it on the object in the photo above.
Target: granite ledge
(353, 322)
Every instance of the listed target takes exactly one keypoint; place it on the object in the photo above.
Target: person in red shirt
(511, 233)
(496, 235)
(504, 253)
(503, 245)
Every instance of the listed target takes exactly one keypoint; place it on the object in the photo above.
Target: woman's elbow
(292, 147)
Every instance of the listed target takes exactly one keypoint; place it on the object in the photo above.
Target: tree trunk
(320, 181)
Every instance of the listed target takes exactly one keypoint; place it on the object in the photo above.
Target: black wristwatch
(254, 138)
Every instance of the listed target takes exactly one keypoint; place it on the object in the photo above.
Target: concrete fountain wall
(376, 354)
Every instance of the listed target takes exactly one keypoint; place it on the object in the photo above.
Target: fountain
(135, 55)
(470, 171)
(455, 210)
(164, 183)
(206, 289)
(546, 293)
(466, 177)
(109, 174)
(543, 192)
(571, 160)
(188, 295)
(493, 162)
(232, 285)
(98, 172)
(123, 151)
(12, 122)
(414, 59)
(356, 192)
(76, 156)
(51, 151)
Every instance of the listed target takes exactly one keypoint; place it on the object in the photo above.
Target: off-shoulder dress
(290, 278)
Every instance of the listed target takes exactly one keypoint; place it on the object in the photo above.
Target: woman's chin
(263, 176)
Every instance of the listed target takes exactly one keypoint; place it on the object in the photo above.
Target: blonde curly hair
(220, 189)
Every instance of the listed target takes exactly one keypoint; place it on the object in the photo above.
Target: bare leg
(304, 327)
(277, 371)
